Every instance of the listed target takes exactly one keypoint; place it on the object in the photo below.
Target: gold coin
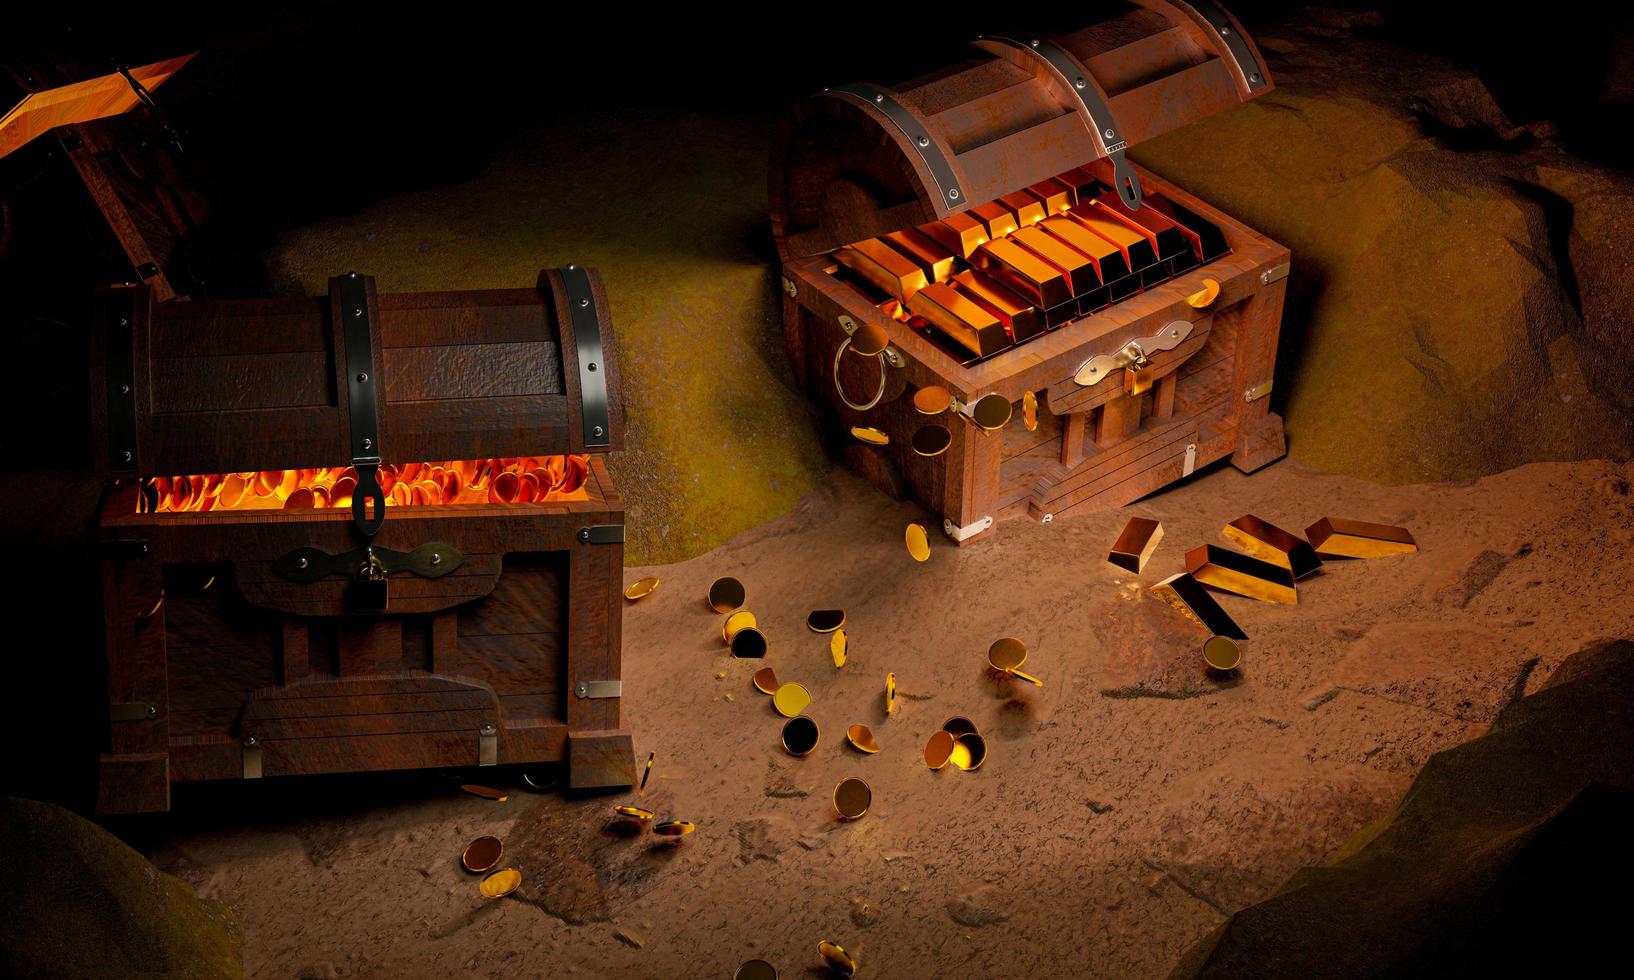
(800, 736)
(890, 694)
(825, 620)
(725, 594)
(1221, 653)
(500, 883)
(1007, 653)
(869, 339)
(748, 643)
(791, 699)
(837, 958)
(1205, 296)
(959, 755)
(991, 411)
(735, 622)
(918, 542)
(939, 749)
(647, 771)
(932, 440)
(852, 797)
(756, 970)
(975, 751)
(674, 828)
(870, 435)
(836, 648)
(633, 812)
(861, 738)
(641, 588)
(766, 680)
(486, 792)
(1029, 411)
(481, 854)
(958, 725)
(933, 400)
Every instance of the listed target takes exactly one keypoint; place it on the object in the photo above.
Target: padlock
(370, 589)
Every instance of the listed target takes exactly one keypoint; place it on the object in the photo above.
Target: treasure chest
(359, 532)
(998, 312)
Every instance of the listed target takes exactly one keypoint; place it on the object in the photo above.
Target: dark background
(386, 99)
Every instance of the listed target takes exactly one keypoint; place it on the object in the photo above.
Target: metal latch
(488, 745)
(369, 591)
(1275, 273)
(1135, 352)
(967, 532)
(788, 286)
(1190, 462)
(592, 690)
(307, 565)
(252, 757)
(132, 711)
(602, 534)
(1257, 392)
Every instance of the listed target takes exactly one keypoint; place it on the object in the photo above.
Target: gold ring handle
(845, 345)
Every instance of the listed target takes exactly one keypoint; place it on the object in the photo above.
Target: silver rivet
(597, 431)
(153, 711)
(124, 322)
(1255, 78)
(489, 729)
(1094, 370)
(591, 366)
(351, 275)
(1033, 42)
(358, 312)
(252, 740)
(368, 444)
(584, 534)
(1225, 31)
(127, 456)
(581, 690)
(880, 97)
(301, 563)
(1174, 333)
(584, 302)
(1109, 133)
(571, 266)
(362, 378)
(1080, 83)
(124, 389)
(924, 141)
(436, 559)
(953, 194)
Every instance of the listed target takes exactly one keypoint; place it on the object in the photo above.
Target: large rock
(77, 903)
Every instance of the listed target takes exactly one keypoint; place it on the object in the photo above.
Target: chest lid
(859, 161)
(358, 377)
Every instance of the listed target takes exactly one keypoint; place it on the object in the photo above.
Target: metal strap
(121, 366)
(602, 534)
(599, 689)
(1075, 78)
(581, 304)
(1236, 45)
(362, 401)
(941, 169)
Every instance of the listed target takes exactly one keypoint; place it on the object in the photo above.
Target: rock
(977, 908)
(76, 902)
(1467, 673)
(578, 865)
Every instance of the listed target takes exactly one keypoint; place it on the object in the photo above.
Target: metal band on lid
(1236, 45)
(941, 169)
(362, 403)
(581, 305)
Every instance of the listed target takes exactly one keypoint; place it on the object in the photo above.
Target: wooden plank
(1117, 420)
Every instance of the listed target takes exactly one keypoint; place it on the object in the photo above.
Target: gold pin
(836, 648)
(644, 587)
(939, 749)
(852, 797)
(932, 440)
(1194, 602)
(1267, 542)
(756, 970)
(870, 435)
(636, 813)
(869, 339)
(861, 738)
(482, 854)
(1359, 539)
(674, 828)
(1236, 572)
(500, 883)
(646, 772)
(837, 958)
(1008, 654)
(800, 736)
(748, 643)
(918, 542)
(959, 725)
(974, 754)
(1135, 545)
(725, 594)
(766, 680)
(486, 792)
(1221, 653)
(734, 622)
(791, 699)
(1205, 297)
(932, 400)
(825, 620)
(1029, 411)
(890, 694)
(991, 412)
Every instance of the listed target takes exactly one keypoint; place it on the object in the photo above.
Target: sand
(1125, 808)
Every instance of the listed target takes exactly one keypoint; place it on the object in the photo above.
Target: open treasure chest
(363, 532)
(998, 312)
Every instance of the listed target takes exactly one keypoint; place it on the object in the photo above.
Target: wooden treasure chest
(359, 532)
(1001, 314)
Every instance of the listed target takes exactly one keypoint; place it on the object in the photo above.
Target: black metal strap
(431, 560)
(120, 344)
(362, 401)
(581, 305)
(602, 534)
(1236, 44)
(941, 169)
(1076, 80)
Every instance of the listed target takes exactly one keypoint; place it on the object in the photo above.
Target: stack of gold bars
(1007, 271)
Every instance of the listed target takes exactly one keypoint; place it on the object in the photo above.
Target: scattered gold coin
(991, 411)
(644, 587)
(861, 738)
(852, 797)
(800, 736)
(1029, 411)
(791, 699)
(932, 440)
(973, 754)
(1221, 653)
(748, 643)
(890, 694)
(766, 680)
(486, 792)
(825, 620)
(836, 648)
(918, 542)
(933, 400)
(756, 970)
(633, 812)
(500, 883)
(646, 772)
(958, 725)
(1008, 654)
(674, 828)
(481, 854)
(735, 622)
(837, 958)
(725, 594)
(870, 435)
(939, 750)
(1204, 297)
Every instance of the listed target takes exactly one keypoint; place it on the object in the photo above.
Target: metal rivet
(1094, 370)
(591, 366)
(436, 559)
(571, 266)
(127, 455)
(953, 193)
(1175, 332)
(880, 97)
(1049, 518)
(1108, 133)
(1225, 31)
(488, 728)
(1033, 42)
(358, 312)
(584, 534)
(581, 690)
(924, 141)
(597, 431)
(124, 322)
(251, 740)
(301, 563)
(1081, 83)
(153, 711)
(362, 378)
(124, 389)
(368, 444)
(1255, 78)
(585, 301)
(351, 275)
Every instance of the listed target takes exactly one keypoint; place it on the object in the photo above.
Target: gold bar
(883, 266)
(960, 318)
(1233, 571)
(1023, 320)
(1078, 267)
(959, 233)
(1028, 209)
(1109, 260)
(1194, 602)
(1108, 228)
(1054, 194)
(1135, 545)
(1085, 185)
(1358, 539)
(928, 255)
(1036, 280)
(1000, 220)
(1267, 542)
(1135, 239)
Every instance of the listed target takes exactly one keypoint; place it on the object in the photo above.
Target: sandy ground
(1124, 809)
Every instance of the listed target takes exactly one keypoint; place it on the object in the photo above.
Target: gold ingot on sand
(725, 594)
(939, 749)
(500, 883)
(749, 643)
(1135, 545)
(756, 970)
(766, 680)
(852, 797)
(890, 694)
(1194, 602)
(644, 587)
(836, 648)
(959, 725)
(932, 400)
(1008, 654)
(1359, 539)
(932, 440)
(1029, 411)
(1235, 572)
(870, 435)
(1267, 542)
(837, 959)
(636, 813)
(825, 620)
(800, 736)
(674, 828)
(481, 854)
(969, 752)
(741, 619)
(918, 542)
(791, 699)
(1222, 653)
(861, 738)
(991, 411)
